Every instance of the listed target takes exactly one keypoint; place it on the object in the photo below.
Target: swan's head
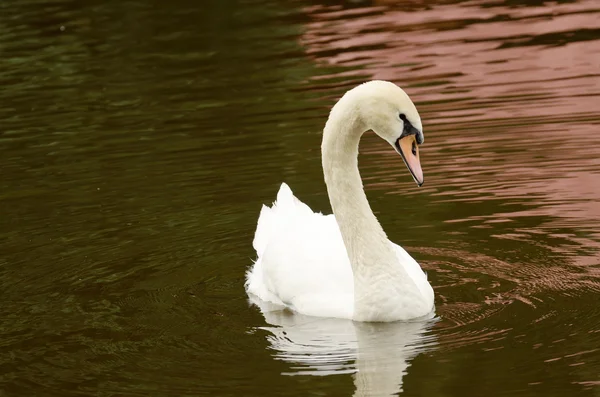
(387, 110)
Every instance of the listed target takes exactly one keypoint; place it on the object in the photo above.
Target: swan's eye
(414, 148)
(402, 117)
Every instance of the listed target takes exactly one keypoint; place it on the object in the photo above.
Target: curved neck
(360, 229)
(383, 286)
(366, 242)
(378, 275)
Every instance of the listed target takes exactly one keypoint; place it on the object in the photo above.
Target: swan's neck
(359, 226)
(373, 259)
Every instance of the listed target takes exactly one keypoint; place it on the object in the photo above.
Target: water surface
(138, 141)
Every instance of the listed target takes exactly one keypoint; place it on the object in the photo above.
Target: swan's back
(302, 262)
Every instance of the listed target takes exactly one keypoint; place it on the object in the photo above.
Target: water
(138, 142)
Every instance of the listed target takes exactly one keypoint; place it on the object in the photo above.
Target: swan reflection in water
(377, 354)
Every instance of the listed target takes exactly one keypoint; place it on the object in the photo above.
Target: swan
(343, 265)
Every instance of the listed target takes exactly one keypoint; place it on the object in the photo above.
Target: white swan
(344, 266)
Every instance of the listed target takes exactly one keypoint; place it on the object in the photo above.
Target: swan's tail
(286, 213)
(269, 220)
(281, 213)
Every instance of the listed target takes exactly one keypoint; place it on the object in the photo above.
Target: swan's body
(344, 266)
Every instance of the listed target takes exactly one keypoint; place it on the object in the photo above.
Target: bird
(343, 265)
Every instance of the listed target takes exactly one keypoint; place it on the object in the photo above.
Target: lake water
(138, 141)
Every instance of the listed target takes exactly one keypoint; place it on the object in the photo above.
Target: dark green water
(138, 141)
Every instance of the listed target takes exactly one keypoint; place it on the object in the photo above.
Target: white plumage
(343, 266)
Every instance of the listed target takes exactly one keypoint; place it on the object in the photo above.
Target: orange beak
(409, 150)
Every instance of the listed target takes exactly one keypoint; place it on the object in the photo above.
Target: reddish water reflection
(509, 98)
(508, 95)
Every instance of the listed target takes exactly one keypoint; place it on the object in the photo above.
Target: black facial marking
(419, 138)
(410, 130)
